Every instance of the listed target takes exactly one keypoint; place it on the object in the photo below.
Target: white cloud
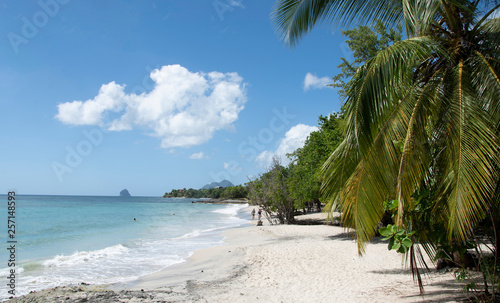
(183, 109)
(110, 98)
(198, 156)
(294, 138)
(313, 82)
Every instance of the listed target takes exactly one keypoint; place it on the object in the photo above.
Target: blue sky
(149, 95)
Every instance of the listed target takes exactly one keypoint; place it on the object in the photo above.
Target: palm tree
(424, 113)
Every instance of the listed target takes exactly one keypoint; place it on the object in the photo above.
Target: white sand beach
(275, 263)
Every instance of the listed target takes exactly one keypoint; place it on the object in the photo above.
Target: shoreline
(222, 201)
(204, 264)
(293, 263)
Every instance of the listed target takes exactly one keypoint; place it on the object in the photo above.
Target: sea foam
(67, 240)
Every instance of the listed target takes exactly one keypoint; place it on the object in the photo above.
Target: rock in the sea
(124, 193)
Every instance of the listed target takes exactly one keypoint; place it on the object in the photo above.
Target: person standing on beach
(259, 213)
(253, 213)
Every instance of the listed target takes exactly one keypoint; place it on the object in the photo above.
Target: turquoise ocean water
(64, 240)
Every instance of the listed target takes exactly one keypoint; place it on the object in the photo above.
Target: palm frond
(361, 172)
(414, 163)
(361, 207)
(486, 81)
(471, 154)
(370, 94)
(484, 19)
(294, 18)
(419, 15)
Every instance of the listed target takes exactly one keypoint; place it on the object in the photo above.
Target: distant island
(124, 193)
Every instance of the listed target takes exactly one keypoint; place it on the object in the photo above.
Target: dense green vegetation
(305, 177)
(300, 182)
(421, 137)
(283, 190)
(232, 192)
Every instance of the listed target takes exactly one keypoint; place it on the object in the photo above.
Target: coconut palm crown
(423, 113)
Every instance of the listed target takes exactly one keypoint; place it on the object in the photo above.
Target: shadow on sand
(448, 291)
(443, 291)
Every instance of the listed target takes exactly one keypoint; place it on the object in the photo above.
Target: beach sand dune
(279, 263)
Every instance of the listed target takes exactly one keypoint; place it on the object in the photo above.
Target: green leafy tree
(270, 191)
(304, 180)
(234, 192)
